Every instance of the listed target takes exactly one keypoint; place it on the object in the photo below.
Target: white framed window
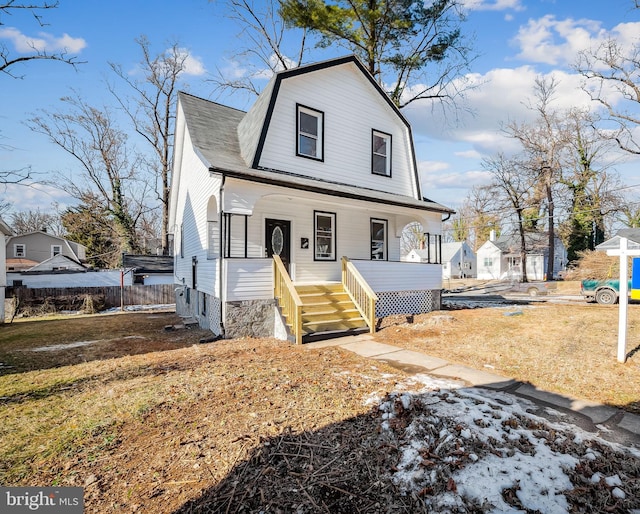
(325, 236)
(378, 240)
(488, 262)
(380, 153)
(19, 250)
(310, 130)
(56, 250)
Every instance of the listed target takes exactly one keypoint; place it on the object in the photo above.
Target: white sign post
(623, 252)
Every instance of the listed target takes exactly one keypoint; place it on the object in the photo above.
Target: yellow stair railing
(361, 294)
(288, 298)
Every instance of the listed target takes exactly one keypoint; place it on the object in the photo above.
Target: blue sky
(516, 41)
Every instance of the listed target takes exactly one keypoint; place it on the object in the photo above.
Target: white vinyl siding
(489, 265)
(353, 231)
(249, 279)
(213, 240)
(349, 103)
(192, 231)
(400, 276)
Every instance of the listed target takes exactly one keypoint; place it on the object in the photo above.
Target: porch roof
(213, 131)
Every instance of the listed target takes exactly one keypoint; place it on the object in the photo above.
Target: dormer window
(310, 128)
(19, 251)
(381, 153)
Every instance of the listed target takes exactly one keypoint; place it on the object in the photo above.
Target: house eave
(302, 183)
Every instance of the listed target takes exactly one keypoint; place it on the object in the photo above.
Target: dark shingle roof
(149, 263)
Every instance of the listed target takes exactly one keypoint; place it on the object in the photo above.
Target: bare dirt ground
(149, 420)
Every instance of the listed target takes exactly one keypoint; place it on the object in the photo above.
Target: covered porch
(366, 291)
(325, 263)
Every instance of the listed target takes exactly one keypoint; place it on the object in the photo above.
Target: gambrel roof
(229, 142)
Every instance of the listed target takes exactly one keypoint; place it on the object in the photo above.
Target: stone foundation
(250, 318)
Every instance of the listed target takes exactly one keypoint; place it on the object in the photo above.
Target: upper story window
(56, 250)
(381, 153)
(310, 128)
(19, 250)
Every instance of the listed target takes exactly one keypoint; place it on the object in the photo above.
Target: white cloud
(469, 154)
(558, 42)
(35, 196)
(500, 96)
(437, 174)
(192, 65)
(44, 42)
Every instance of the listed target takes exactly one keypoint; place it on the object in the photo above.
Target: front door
(277, 239)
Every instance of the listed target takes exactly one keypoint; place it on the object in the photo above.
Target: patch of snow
(481, 447)
(136, 308)
(613, 481)
(618, 493)
(77, 344)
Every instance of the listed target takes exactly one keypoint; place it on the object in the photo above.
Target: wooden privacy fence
(106, 296)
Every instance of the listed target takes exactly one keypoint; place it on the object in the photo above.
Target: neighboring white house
(500, 259)
(25, 251)
(5, 232)
(322, 166)
(58, 262)
(458, 259)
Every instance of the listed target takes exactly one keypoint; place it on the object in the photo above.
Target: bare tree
(23, 222)
(152, 112)
(107, 169)
(543, 143)
(9, 61)
(511, 189)
(415, 50)
(591, 183)
(612, 73)
(268, 45)
(479, 215)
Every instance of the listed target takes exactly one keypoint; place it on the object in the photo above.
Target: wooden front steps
(327, 309)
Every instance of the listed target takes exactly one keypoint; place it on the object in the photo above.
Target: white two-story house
(287, 218)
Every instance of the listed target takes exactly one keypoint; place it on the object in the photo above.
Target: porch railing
(362, 295)
(288, 298)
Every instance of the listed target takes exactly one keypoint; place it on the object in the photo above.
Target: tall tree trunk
(552, 238)
(523, 246)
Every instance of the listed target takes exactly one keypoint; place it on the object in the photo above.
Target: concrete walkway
(609, 423)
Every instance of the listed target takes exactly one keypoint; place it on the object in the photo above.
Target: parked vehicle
(533, 288)
(605, 292)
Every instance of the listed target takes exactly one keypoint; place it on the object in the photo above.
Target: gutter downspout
(222, 259)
